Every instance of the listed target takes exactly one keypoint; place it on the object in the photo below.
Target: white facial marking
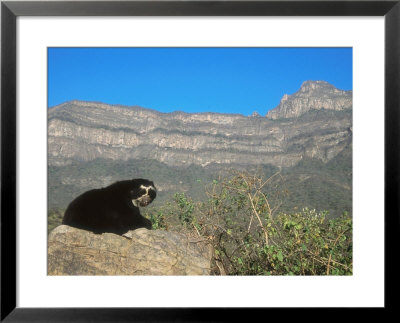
(137, 201)
(147, 188)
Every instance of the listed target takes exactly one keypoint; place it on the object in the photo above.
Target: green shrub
(241, 220)
(185, 208)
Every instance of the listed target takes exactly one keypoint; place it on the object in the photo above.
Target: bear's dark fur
(113, 208)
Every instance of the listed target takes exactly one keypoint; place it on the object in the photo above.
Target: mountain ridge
(80, 130)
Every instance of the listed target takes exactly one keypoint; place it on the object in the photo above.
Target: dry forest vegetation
(250, 235)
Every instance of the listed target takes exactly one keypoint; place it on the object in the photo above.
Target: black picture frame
(10, 10)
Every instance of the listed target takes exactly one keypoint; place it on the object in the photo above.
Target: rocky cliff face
(313, 95)
(314, 122)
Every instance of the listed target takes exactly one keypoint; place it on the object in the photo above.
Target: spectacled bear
(114, 208)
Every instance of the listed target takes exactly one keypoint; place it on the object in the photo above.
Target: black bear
(114, 208)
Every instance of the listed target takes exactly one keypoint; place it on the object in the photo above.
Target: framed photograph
(300, 98)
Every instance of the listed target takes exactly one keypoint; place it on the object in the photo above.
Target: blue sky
(226, 80)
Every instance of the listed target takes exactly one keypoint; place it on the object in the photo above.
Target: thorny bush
(240, 219)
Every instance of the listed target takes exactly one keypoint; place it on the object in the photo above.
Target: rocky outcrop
(313, 95)
(73, 251)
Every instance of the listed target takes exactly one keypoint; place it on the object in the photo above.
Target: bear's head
(142, 192)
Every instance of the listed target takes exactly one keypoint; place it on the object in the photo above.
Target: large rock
(73, 251)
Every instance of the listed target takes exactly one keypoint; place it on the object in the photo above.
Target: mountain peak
(316, 85)
(312, 95)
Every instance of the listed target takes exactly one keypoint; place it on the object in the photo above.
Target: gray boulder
(73, 251)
